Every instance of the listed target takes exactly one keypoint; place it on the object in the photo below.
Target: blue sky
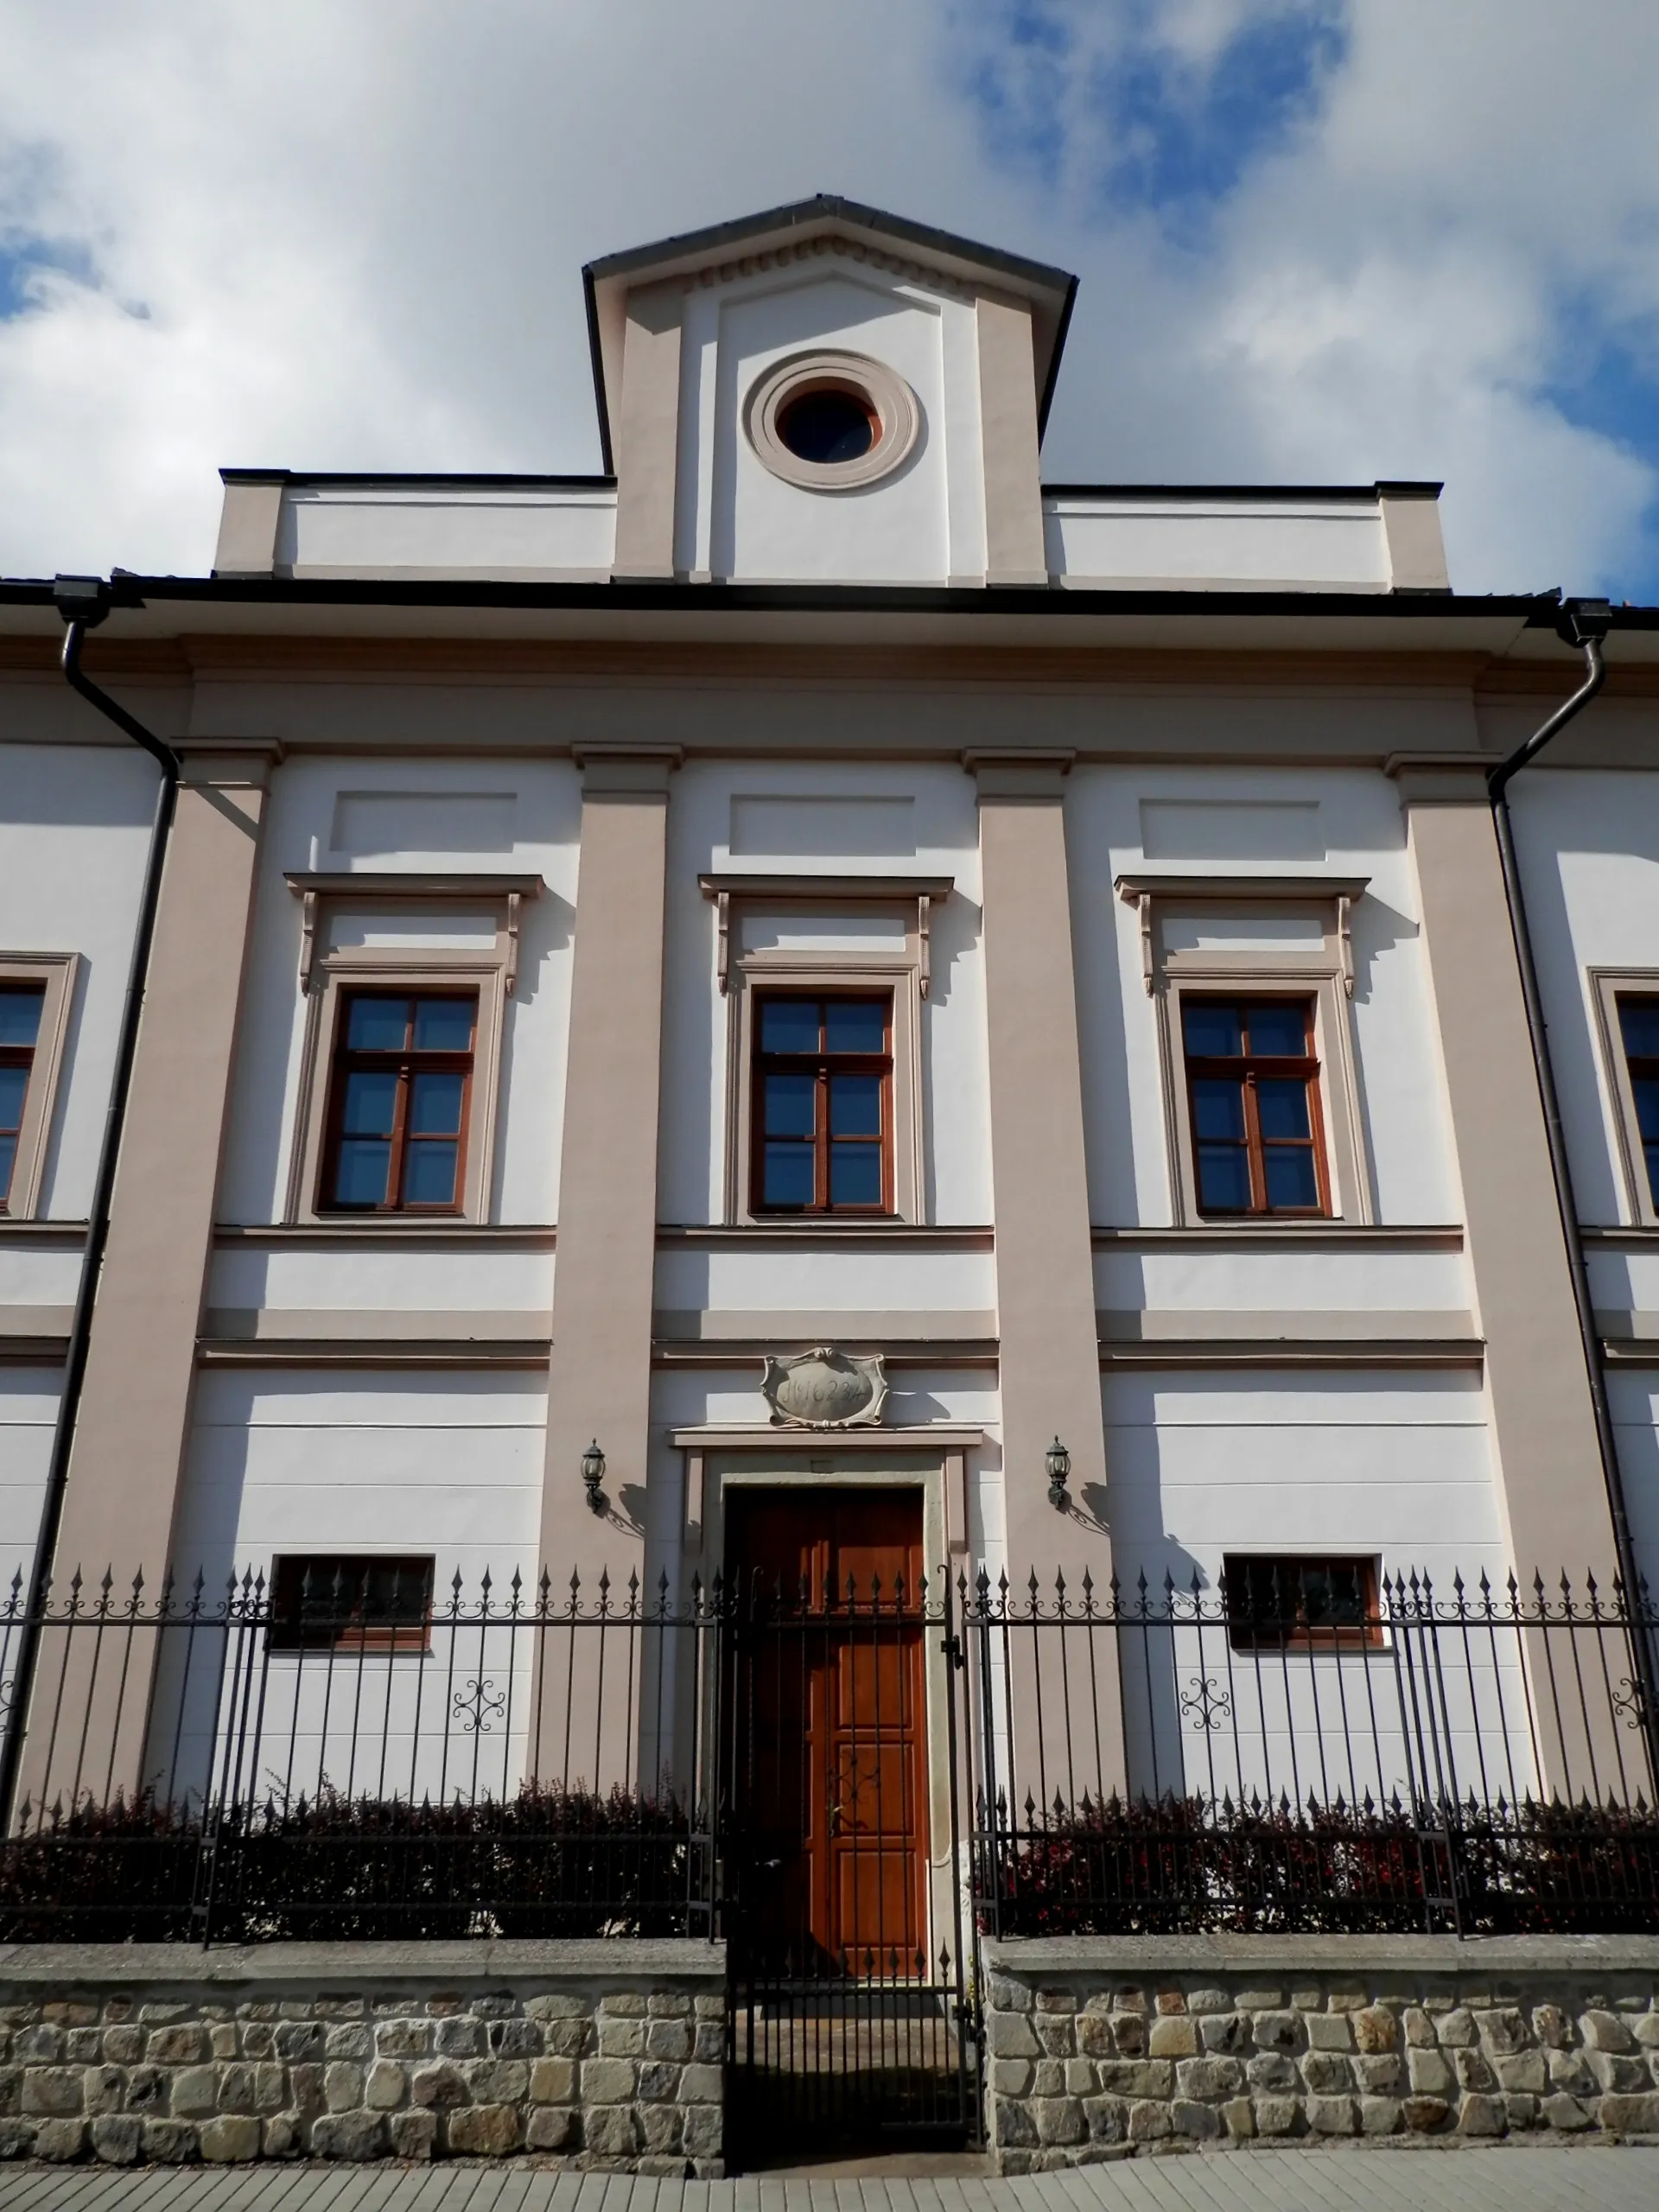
(1317, 240)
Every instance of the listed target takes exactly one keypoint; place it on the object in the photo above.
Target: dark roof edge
(1538, 609)
(1045, 398)
(573, 480)
(1385, 488)
(822, 207)
(597, 356)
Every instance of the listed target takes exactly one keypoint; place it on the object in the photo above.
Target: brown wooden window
(822, 1105)
(19, 1029)
(1252, 1087)
(320, 1600)
(403, 1082)
(1639, 1023)
(1289, 1601)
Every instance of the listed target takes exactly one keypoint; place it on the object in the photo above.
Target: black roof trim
(1384, 489)
(1046, 400)
(596, 361)
(130, 590)
(500, 480)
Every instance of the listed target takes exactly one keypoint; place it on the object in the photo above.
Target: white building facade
(815, 889)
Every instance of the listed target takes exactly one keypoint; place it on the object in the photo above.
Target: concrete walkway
(1500, 2179)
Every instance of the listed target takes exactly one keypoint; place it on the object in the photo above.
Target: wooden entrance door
(829, 1777)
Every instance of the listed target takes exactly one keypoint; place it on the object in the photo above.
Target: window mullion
(1253, 1146)
(821, 1137)
(399, 1125)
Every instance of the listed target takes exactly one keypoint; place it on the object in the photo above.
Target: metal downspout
(1583, 623)
(83, 602)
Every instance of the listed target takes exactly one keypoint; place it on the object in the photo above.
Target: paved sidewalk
(1587, 2179)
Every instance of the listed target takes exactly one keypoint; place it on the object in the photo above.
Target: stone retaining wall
(597, 2054)
(1099, 2046)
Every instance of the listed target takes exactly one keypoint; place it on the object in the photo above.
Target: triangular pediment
(806, 229)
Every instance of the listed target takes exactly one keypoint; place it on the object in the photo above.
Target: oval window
(831, 424)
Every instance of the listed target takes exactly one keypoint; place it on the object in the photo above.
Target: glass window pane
(1650, 1152)
(854, 1175)
(1281, 1108)
(370, 1101)
(855, 1106)
(360, 1176)
(429, 1174)
(14, 1082)
(1639, 1020)
(1331, 1595)
(1646, 1090)
(1223, 1179)
(20, 1015)
(789, 1025)
(1290, 1179)
(855, 1025)
(1212, 1032)
(7, 1155)
(434, 1105)
(443, 1025)
(377, 1024)
(789, 1175)
(1279, 1031)
(792, 1105)
(1218, 1109)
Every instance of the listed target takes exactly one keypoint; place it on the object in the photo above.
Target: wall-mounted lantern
(593, 1474)
(1057, 1460)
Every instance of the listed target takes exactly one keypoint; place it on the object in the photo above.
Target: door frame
(933, 1459)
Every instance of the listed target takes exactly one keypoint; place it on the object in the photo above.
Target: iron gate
(850, 1941)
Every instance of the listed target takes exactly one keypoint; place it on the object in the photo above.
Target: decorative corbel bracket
(723, 925)
(308, 938)
(511, 973)
(1345, 940)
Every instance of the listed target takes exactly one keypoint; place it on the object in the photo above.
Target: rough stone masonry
(602, 2055)
(1099, 2047)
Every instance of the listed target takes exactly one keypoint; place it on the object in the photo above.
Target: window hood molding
(1140, 891)
(920, 891)
(384, 887)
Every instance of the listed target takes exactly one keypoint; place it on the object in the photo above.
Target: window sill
(1239, 1234)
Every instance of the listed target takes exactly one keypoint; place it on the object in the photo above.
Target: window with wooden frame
(21, 1006)
(821, 1119)
(37, 995)
(1240, 943)
(1253, 1096)
(1292, 1601)
(1638, 1032)
(399, 1106)
(359, 1601)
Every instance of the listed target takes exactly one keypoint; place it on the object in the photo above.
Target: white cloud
(348, 233)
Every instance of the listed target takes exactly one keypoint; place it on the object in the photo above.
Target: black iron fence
(358, 1756)
(371, 1757)
(1279, 1755)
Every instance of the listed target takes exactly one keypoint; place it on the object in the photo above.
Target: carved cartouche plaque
(825, 1388)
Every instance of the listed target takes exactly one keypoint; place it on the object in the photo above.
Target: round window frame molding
(895, 406)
